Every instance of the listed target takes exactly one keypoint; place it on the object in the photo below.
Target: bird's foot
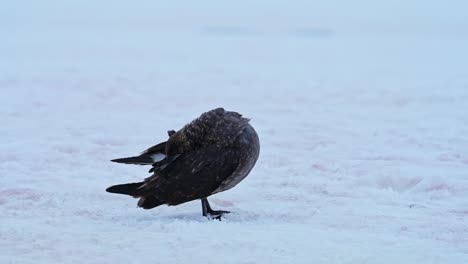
(212, 214)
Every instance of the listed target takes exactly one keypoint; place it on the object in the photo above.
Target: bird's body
(211, 154)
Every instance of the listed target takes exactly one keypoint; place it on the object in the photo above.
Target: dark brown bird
(211, 154)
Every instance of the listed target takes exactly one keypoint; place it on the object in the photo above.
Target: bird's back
(215, 127)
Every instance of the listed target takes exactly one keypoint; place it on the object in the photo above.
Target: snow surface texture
(361, 108)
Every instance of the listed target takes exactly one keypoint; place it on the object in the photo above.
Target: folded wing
(193, 175)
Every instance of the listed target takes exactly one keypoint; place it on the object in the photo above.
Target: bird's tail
(139, 160)
(150, 201)
(131, 189)
(147, 201)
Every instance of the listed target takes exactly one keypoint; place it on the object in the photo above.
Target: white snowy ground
(361, 108)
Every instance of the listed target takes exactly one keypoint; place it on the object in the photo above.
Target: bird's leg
(204, 201)
(207, 211)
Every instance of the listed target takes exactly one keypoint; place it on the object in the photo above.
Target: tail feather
(139, 160)
(149, 202)
(131, 189)
(143, 159)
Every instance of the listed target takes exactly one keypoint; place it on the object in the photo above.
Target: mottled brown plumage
(211, 154)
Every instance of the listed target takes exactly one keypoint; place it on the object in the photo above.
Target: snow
(360, 107)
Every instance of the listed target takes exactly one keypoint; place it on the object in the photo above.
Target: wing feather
(192, 175)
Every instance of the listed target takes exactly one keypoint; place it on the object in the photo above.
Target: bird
(211, 154)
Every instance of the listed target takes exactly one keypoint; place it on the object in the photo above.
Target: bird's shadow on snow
(233, 217)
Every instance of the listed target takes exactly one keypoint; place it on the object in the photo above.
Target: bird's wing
(156, 149)
(159, 148)
(148, 157)
(192, 175)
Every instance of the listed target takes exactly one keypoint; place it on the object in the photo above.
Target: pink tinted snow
(439, 187)
(402, 101)
(19, 194)
(95, 215)
(67, 149)
(453, 157)
(392, 158)
(449, 157)
(223, 203)
(109, 142)
(399, 184)
(324, 166)
(403, 228)
(320, 167)
(8, 157)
